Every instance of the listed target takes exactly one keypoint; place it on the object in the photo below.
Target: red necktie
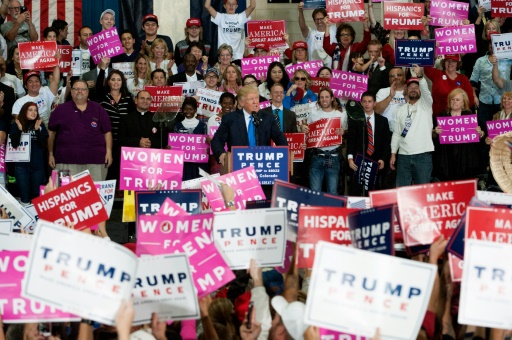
(370, 149)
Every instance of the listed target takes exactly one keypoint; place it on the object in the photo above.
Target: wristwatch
(230, 204)
(86, 321)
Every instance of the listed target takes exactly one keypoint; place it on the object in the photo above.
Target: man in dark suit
(378, 72)
(190, 74)
(360, 138)
(236, 127)
(287, 118)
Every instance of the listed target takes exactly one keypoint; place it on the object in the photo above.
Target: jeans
(318, 170)
(415, 169)
(29, 179)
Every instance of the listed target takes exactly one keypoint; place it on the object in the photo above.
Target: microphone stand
(256, 122)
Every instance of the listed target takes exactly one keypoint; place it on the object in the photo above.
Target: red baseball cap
(454, 57)
(193, 22)
(261, 46)
(31, 74)
(300, 44)
(412, 80)
(150, 17)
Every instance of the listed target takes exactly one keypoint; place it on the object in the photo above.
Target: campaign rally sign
(265, 104)
(65, 52)
(327, 334)
(486, 289)
(15, 211)
(311, 67)
(345, 10)
(489, 224)
(498, 127)
(257, 66)
(194, 146)
(13, 241)
(353, 294)
(320, 224)
(291, 197)
(2, 158)
(259, 234)
(270, 32)
(22, 152)
(126, 68)
(415, 52)
(38, 55)
(76, 62)
(400, 15)
(317, 83)
(314, 4)
(348, 85)
(245, 182)
(302, 112)
(448, 13)
(324, 133)
(196, 184)
(5, 227)
(170, 208)
(270, 163)
(501, 8)
(366, 174)
(145, 168)
(165, 98)
(208, 102)
(295, 142)
(164, 285)
(456, 266)
(82, 274)
(458, 129)
(486, 4)
(455, 40)
(105, 44)
(501, 45)
(371, 229)
(189, 88)
(16, 309)
(428, 210)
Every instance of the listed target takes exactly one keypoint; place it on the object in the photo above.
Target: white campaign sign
(164, 285)
(355, 291)
(14, 209)
(126, 68)
(502, 45)
(15, 241)
(242, 235)
(208, 102)
(78, 273)
(486, 290)
(5, 226)
(21, 153)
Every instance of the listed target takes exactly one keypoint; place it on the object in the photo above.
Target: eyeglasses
(301, 78)
(319, 19)
(211, 76)
(79, 89)
(249, 82)
(395, 75)
(15, 8)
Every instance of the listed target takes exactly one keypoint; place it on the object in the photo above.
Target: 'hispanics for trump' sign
(400, 15)
(345, 10)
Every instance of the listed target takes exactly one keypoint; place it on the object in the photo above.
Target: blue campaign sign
(366, 175)
(149, 202)
(270, 163)
(372, 229)
(415, 52)
(314, 4)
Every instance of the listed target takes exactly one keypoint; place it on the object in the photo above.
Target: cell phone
(249, 315)
(45, 329)
(64, 177)
(23, 9)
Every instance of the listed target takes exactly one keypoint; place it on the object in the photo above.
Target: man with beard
(412, 134)
(20, 28)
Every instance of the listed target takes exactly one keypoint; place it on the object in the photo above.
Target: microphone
(255, 118)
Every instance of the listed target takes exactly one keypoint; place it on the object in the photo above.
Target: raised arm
(210, 9)
(54, 84)
(496, 77)
(251, 8)
(302, 22)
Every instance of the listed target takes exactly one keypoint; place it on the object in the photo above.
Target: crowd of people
(78, 122)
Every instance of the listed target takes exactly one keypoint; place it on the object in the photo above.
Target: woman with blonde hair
(159, 57)
(141, 75)
(231, 80)
(505, 113)
(299, 92)
(225, 55)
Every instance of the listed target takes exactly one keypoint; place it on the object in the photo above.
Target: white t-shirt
(44, 103)
(395, 103)
(315, 39)
(134, 89)
(231, 31)
(321, 114)
(15, 83)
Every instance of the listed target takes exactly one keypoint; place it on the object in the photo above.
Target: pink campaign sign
(2, 158)
(245, 183)
(105, 44)
(14, 308)
(257, 66)
(347, 85)
(494, 128)
(194, 146)
(211, 133)
(143, 168)
(455, 40)
(170, 208)
(458, 129)
(310, 67)
(327, 334)
(448, 13)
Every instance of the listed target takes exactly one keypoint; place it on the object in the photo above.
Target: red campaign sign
(489, 224)
(323, 133)
(317, 83)
(345, 10)
(426, 211)
(501, 8)
(65, 52)
(456, 266)
(399, 15)
(295, 141)
(266, 31)
(77, 203)
(38, 55)
(320, 224)
(165, 98)
(385, 197)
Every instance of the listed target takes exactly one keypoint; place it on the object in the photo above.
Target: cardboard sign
(246, 184)
(22, 152)
(498, 127)
(76, 203)
(144, 168)
(327, 334)
(411, 52)
(257, 66)
(348, 85)
(16, 309)
(15, 211)
(302, 112)
(10, 241)
(495, 198)
(323, 133)
(384, 197)
(486, 4)
(5, 227)
(270, 163)
(2, 158)
(291, 197)
(164, 285)
(37, 55)
(352, 294)
(456, 266)
(265, 104)
(448, 13)
(399, 15)
(345, 10)
(76, 62)
(459, 129)
(501, 8)
(96, 277)
(501, 45)
(170, 208)
(366, 175)
(485, 291)
(126, 68)
(489, 224)
(371, 229)
(313, 4)
(194, 146)
(208, 102)
(429, 210)
(189, 88)
(105, 44)
(320, 224)
(295, 141)
(196, 184)
(266, 31)
(165, 98)
(259, 234)
(318, 83)
(455, 40)
(311, 67)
